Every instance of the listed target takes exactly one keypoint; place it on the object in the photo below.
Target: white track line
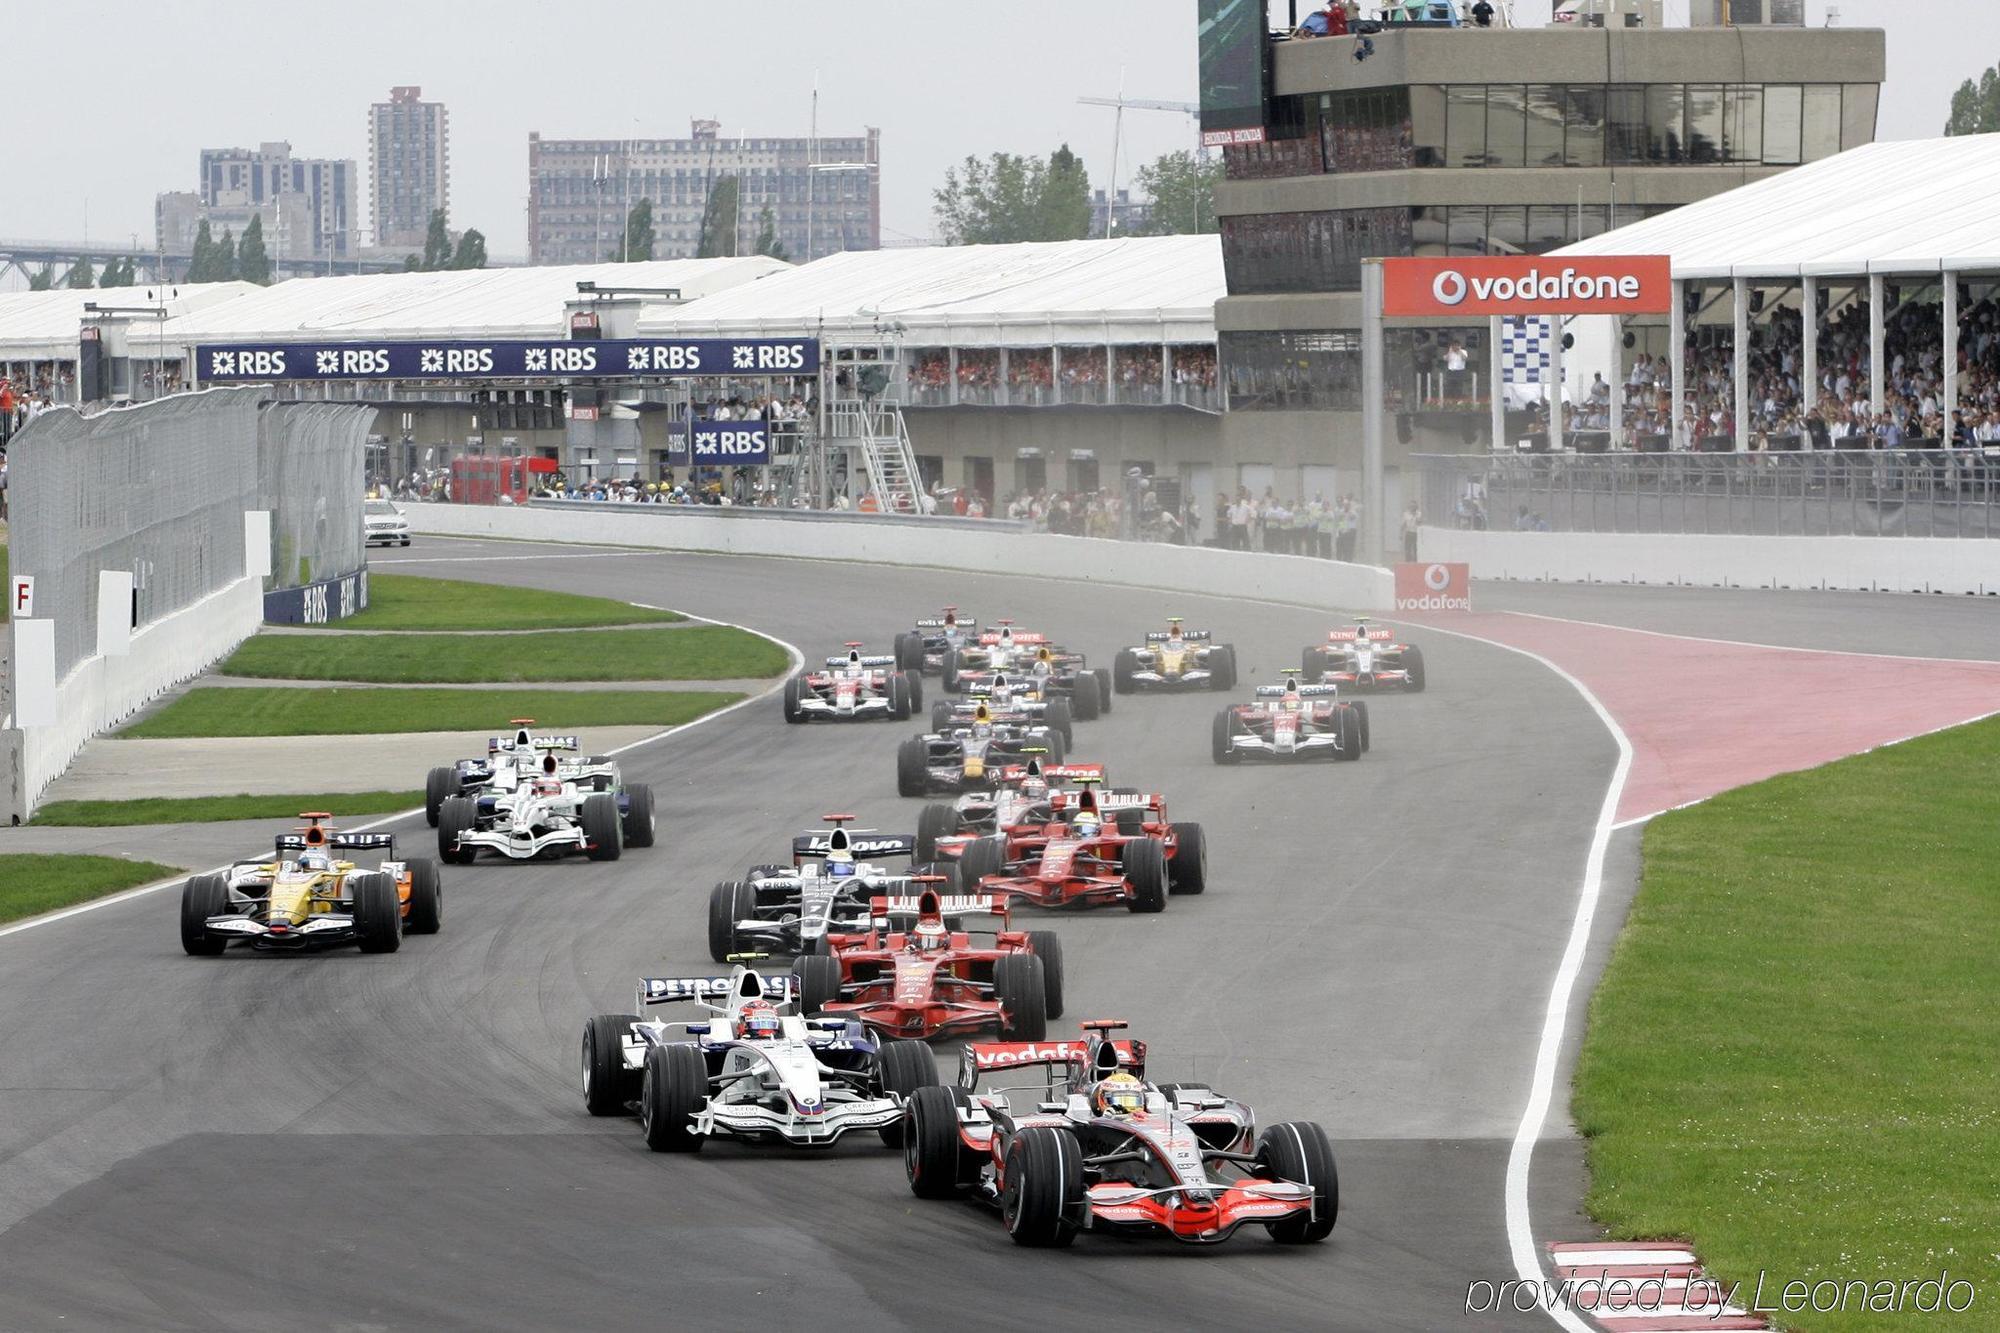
(1740, 643)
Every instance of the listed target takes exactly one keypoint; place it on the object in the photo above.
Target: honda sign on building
(1528, 285)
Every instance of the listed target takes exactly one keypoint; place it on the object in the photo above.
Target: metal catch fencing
(1820, 493)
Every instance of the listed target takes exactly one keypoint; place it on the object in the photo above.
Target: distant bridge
(30, 257)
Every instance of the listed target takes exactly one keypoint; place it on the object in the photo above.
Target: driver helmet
(1173, 629)
(1087, 822)
(839, 869)
(315, 861)
(548, 786)
(1034, 786)
(930, 935)
(757, 1020)
(1120, 1094)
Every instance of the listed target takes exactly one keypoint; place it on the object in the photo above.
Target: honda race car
(1291, 721)
(853, 686)
(914, 972)
(1093, 1145)
(1096, 850)
(921, 651)
(557, 810)
(967, 756)
(303, 897)
(792, 909)
(748, 1072)
(1362, 657)
(1175, 659)
(508, 760)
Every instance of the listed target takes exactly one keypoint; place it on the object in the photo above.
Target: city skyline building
(409, 166)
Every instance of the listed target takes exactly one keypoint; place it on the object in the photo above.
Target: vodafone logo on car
(1434, 586)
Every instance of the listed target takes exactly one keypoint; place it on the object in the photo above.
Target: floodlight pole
(1739, 302)
(1875, 323)
(1950, 295)
(1677, 361)
(1496, 378)
(1370, 549)
(1809, 342)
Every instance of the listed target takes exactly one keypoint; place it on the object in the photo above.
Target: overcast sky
(125, 95)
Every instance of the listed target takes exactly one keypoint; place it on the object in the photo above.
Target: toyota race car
(556, 810)
(304, 898)
(968, 755)
(748, 1072)
(1175, 659)
(828, 886)
(921, 651)
(1361, 657)
(853, 686)
(1093, 1145)
(1291, 721)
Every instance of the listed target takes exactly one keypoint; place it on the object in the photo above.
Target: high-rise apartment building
(308, 205)
(824, 193)
(409, 166)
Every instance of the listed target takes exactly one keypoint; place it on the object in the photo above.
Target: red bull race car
(1022, 699)
(852, 686)
(1292, 721)
(1063, 1137)
(1175, 659)
(1096, 850)
(1360, 657)
(968, 755)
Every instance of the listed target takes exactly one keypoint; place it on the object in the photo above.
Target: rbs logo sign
(736, 443)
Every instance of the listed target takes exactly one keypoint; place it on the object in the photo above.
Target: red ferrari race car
(1094, 851)
(918, 973)
(1092, 1145)
(1020, 795)
(853, 686)
(1291, 721)
(1361, 657)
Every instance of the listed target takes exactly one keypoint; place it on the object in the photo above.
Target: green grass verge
(1791, 1059)
(698, 652)
(276, 711)
(407, 602)
(211, 809)
(31, 884)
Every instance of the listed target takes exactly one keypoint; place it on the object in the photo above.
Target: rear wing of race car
(1055, 772)
(976, 1058)
(908, 907)
(939, 622)
(1303, 691)
(1190, 635)
(709, 990)
(861, 661)
(1127, 801)
(363, 842)
(1349, 636)
(866, 846)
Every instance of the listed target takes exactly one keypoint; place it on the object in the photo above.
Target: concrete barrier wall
(1292, 579)
(1868, 564)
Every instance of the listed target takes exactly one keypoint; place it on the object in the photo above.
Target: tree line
(721, 229)
(1009, 197)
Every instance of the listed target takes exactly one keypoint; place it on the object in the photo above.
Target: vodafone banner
(1528, 285)
(1433, 586)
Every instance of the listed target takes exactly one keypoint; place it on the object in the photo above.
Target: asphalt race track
(398, 1141)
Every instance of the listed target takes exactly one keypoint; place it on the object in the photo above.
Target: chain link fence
(310, 469)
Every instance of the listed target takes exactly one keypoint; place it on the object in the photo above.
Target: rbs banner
(721, 444)
(1528, 285)
(506, 359)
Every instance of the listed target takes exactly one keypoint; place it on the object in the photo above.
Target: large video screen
(1233, 56)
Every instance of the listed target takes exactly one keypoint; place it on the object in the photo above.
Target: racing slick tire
(1360, 707)
(1047, 946)
(603, 839)
(934, 821)
(899, 697)
(1103, 675)
(1043, 1190)
(1062, 718)
(795, 693)
(1222, 668)
(1057, 745)
(1086, 697)
(1123, 668)
(906, 1068)
(981, 857)
(1224, 728)
(915, 680)
(1020, 983)
(1187, 868)
(672, 1088)
(378, 912)
(1145, 865)
(1312, 664)
(940, 714)
(913, 776)
(818, 977)
(934, 1159)
(608, 1086)
(1297, 1150)
(438, 784)
(728, 903)
(426, 910)
(455, 816)
(1413, 662)
(1350, 736)
(1130, 821)
(640, 825)
(909, 651)
(948, 672)
(202, 897)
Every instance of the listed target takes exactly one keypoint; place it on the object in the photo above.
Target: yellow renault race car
(1175, 659)
(304, 897)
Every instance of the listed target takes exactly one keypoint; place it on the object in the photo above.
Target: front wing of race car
(1194, 1216)
(820, 1128)
(1306, 745)
(522, 844)
(1194, 677)
(321, 928)
(867, 705)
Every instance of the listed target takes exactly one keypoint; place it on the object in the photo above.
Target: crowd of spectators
(1288, 526)
(1031, 376)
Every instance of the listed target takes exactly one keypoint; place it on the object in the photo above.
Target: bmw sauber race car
(921, 651)
(1087, 855)
(916, 972)
(1175, 659)
(748, 1071)
(853, 686)
(508, 760)
(1291, 721)
(792, 909)
(556, 810)
(305, 898)
(1361, 657)
(1071, 1136)
(967, 756)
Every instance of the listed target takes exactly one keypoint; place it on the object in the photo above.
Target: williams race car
(1291, 721)
(1092, 1145)
(853, 686)
(791, 909)
(1175, 659)
(921, 651)
(1361, 657)
(303, 897)
(968, 755)
(551, 812)
(748, 1072)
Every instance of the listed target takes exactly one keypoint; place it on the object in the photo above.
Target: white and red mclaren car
(1361, 657)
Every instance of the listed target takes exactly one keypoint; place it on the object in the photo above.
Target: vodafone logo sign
(1438, 586)
(1527, 284)
(1437, 577)
(1448, 287)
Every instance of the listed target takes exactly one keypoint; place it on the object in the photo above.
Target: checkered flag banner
(1524, 349)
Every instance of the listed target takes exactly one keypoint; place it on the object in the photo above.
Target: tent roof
(1132, 289)
(43, 326)
(470, 303)
(1902, 206)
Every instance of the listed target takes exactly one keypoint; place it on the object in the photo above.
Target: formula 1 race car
(748, 1072)
(508, 760)
(1090, 854)
(967, 756)
(921, 651)
(1020, 655)
(853, 686)
(553, 812)
(1361, 657)
(304, 898)
(780, 909)
(1291, 721)
(915, 973)
(1016, 700)
(1175, 659)
(1020, 795)
(1093, 1145)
